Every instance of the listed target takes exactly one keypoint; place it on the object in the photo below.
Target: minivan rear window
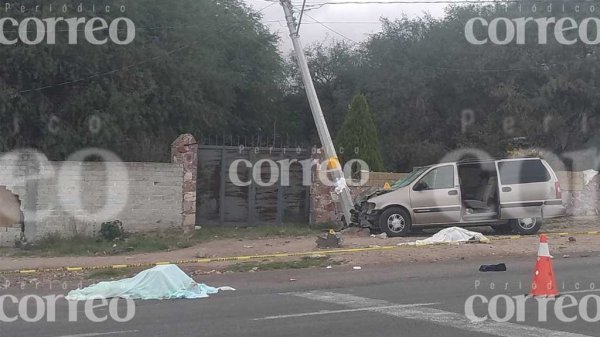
(522, 172)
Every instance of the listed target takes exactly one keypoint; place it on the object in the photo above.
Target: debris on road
(357, 268)
(201, 254)
(356, 231)
(380, 236)
(572, 239)
(492, 267)
(226, 288)
(160, 282)
(331, 240)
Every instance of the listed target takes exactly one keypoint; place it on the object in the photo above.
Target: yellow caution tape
(264, 256)
(119, 266)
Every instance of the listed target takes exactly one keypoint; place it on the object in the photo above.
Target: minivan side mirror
(420, 186)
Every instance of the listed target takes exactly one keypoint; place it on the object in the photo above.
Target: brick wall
(76, 197)
(147, 197)
(8, 236)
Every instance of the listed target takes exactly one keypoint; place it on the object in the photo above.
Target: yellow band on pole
(333, 163)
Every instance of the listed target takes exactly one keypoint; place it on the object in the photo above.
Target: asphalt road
(384, 300)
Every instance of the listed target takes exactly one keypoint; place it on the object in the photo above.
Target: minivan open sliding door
(523, 187)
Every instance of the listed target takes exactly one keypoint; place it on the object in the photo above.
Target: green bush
(112, 230)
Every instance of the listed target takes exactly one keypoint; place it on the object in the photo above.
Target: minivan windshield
(409, 178)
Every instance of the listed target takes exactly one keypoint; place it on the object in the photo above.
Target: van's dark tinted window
(522, 172)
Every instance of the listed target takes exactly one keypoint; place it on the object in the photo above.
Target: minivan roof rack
(477, 160)
(488, 160)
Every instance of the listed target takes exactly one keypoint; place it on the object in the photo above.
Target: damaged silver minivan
(511, 195)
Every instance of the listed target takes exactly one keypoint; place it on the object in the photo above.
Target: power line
(301, 12)
(127, 67)
(329, 22)
(482, 70)
(98, 29)
(383, 2)
(317, 5)
(267, 6)
(110, 72)
(331, 29)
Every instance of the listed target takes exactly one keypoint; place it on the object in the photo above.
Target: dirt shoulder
(561, 247)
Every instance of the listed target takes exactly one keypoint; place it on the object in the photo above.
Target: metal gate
(222, 201)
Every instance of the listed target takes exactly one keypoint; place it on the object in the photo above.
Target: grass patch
(56, 245)
(304, 262)
(79, 245)
(155, 241)
(259, 232)
(108, 273)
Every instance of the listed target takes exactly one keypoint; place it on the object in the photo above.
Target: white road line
(101, 333)
(579, 291)
(441, 317)
(328, 312)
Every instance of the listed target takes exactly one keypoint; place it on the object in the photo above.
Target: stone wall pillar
(323, 200)
(184, 151)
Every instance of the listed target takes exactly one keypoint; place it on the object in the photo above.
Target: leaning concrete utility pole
(332, 161)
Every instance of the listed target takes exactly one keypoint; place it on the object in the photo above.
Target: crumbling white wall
(580, 192)
(76, 197)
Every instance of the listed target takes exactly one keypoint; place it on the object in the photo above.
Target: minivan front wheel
(526, 226)
(395, 221)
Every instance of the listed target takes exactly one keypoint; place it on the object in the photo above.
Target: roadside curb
(266, 256)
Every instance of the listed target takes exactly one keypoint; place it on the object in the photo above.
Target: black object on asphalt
(493, 267)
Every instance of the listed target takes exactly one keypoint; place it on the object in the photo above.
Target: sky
(351, 22)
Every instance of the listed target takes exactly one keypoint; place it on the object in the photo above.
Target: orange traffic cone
(544, 281)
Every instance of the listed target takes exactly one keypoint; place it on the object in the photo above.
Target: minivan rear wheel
(395, 221)
(526, 226)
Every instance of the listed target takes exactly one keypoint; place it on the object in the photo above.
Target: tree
(357, 139)
(199, 67)
(421, 75)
